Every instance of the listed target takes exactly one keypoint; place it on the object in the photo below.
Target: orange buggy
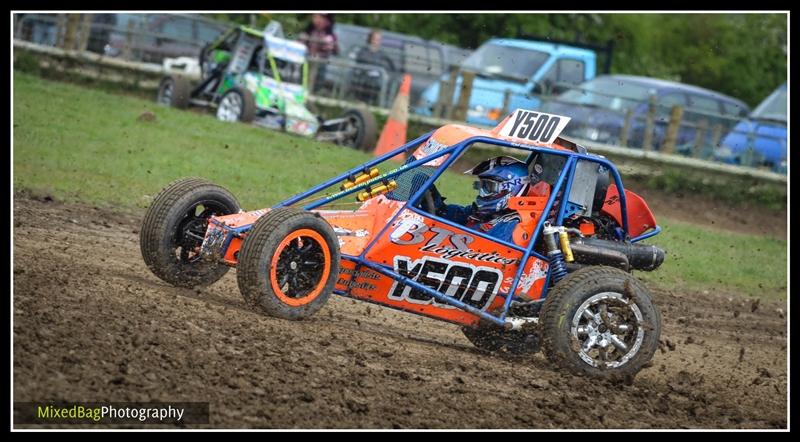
(563, 284)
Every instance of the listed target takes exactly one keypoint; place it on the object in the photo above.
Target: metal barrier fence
(645, 125)
(632, 123)
(135, 37)
(148, 38)
(147, 76)
(344, 79)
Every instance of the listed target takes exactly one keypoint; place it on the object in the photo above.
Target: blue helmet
(500, 178)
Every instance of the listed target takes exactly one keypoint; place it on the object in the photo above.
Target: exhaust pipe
(618, 254)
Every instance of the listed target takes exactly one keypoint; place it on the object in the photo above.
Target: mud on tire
(367, 128)
(174, 227)
(237, 104)
(174, 91)
(288, 263)
(607, 311)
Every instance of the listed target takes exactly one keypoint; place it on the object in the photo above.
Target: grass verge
(81, 144)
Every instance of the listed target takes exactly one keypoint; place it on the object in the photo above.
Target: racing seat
(530, 208)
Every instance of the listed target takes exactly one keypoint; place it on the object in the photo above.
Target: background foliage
(742, 55)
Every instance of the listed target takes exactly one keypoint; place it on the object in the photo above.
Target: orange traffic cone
(394, 132)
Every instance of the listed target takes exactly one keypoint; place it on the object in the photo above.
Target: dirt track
(91, 323)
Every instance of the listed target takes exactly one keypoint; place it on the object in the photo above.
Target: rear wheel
(174, 91)
(237, 104)
(600, 322)
(289, 263)
(362, 129)
(174, 228)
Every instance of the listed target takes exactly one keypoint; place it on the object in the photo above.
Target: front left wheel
(174, 227)
(288, 263)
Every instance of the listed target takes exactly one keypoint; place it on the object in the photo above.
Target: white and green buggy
(250, 76)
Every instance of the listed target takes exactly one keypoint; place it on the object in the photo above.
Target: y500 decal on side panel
(473, 285)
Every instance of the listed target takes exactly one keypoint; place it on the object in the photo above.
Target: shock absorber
(558, 265)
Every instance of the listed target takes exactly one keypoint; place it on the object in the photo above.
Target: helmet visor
(488, 187)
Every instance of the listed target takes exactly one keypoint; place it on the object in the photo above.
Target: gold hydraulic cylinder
(360, 178)
(373, 192)
(565, 248)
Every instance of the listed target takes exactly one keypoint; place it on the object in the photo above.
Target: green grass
(717, 261)
(81, 144)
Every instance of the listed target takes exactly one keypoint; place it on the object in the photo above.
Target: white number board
(534, 126)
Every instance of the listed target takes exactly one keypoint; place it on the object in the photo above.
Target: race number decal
(533, 126)
(473, 285)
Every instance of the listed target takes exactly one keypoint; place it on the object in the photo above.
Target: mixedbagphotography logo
(136, 413)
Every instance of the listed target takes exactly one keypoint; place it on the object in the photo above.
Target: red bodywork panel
(640, 218)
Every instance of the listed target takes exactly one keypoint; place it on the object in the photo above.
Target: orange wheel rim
(300, 267)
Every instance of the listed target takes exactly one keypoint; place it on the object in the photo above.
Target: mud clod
(147, 117)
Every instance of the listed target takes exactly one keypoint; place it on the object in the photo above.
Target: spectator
(366, 82)
(319, 37)
(321, 43)
(372, 53)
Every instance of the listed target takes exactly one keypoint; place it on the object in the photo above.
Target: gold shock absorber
(360, 178)
(375, 191)
(565, 248)
(383, 188)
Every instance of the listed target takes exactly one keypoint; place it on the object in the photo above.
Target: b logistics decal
(473, 285)
(539, 127)
(412, 231)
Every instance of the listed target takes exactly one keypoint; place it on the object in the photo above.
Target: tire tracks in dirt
(91, 323)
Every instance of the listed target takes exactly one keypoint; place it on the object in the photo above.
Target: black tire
(174, 91)
(242, 106)
(270, 287)
(169, 252)
(564, 303)
(367, 129)
(204, 64)
(491, 338)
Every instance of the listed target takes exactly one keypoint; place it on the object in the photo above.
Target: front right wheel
(362, 129)
(289, 263)
(600, 322)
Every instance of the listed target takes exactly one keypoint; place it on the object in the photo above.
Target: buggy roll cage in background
(565, 179)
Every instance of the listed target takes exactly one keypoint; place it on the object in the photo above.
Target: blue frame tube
(341, 177)
(390, 174)
(455, 151)
(643, 236)
(539, 225)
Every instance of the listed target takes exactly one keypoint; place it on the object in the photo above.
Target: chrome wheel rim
(230, 108)
(607, 330)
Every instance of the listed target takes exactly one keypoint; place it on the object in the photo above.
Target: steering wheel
(428, 200)
(428, 204)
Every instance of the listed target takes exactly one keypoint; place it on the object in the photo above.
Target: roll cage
(564, 181)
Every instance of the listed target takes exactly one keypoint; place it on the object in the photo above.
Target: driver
(499, 179)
